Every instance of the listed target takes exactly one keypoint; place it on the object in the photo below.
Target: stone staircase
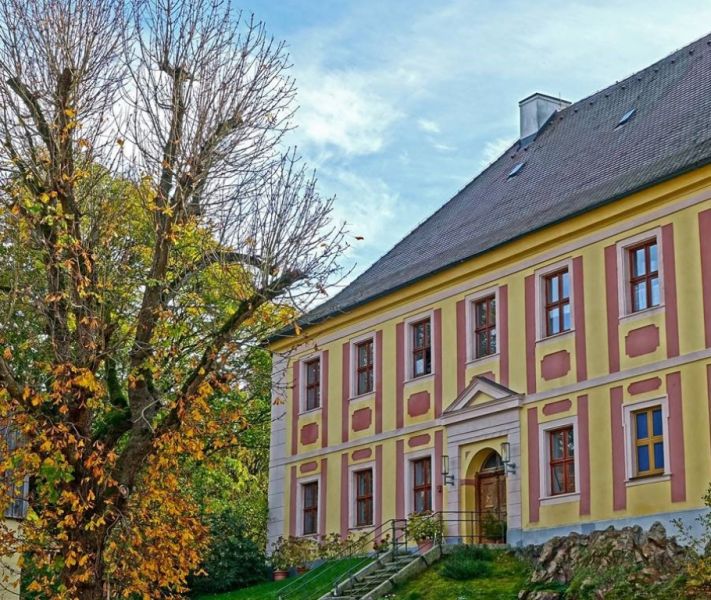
(380, 577)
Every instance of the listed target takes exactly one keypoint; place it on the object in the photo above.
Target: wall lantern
(509, 466)
(447, 477)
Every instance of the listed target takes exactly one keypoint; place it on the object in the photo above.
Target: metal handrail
(399, 540)
(357, 546)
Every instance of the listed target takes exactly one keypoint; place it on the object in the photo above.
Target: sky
(403, 102)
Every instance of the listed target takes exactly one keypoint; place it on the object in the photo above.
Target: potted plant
(281, 559)
(305, 550)
(425, 528)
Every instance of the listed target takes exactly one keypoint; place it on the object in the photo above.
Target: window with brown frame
(557, 302)
(310, 497)
(313, 384)
(562, 461)
(648, 441)
(644, 275)
(485, 327)
(422, 486)
(364, 497)
(364, 367)
(421, 348)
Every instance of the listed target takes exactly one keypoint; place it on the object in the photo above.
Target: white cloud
(338, 111)
(443, 147)
(428, 126)
(492, 150)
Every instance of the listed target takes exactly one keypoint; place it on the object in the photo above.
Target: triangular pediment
(480, 390)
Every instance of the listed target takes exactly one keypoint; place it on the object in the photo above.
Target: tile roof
(578, 161)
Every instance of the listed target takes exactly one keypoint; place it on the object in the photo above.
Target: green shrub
(233, 561)
(474, 553)
(461, 568)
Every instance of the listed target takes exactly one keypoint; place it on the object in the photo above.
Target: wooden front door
(491, 505)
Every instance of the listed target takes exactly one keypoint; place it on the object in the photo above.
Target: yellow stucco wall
(676, 202)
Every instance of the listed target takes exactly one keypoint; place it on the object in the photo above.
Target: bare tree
(152, 226)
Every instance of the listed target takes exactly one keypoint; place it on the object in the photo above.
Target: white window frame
(624, 300)
(540, 293)
(354, 365)
(631, 477)
(408, 323)
(470, 322)
(544, 430)
(300, 506)
(352, 470)
(410, 459)
(302, 382)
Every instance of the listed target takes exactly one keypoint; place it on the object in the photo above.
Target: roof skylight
(626, 117)
(516, 169)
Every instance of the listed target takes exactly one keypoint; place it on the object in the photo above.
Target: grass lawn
(319, 579)
(507, 578)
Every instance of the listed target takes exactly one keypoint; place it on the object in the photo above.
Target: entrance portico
(483, 417)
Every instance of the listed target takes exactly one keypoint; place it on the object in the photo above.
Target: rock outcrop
(644, 556)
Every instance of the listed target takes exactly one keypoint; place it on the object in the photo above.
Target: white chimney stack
(535, 111)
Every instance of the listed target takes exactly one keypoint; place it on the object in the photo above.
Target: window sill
(366, 396)
(420, 378)
(650, 479)
(311, 411)
(360, 527)
(555, 337)
(560, 498)
(641, 314)
(482, 359)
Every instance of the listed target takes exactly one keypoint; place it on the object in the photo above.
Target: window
(422, 488)
(557, 302)
(648, 441)
(364, 367)
(644, 275)
(310, 496)
(364, 497)
(562, 461)
(313, 384)
(421, 348)
(485, 327)
(19, 490)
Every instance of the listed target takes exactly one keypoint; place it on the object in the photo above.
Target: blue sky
(404, 102)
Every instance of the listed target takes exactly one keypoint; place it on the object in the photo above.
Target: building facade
(538, 352)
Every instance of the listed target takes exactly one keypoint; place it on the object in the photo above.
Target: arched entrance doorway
(491, 500)
(486, 505)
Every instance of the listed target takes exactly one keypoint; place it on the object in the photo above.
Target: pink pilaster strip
(530, 302)
(400, 479)
(399, 375)
(584, 454)
(503, 341)
(613, 309)
(293, 490)
(677, 463)
(379, 382)
(534, 473)
(323, 493)
(461, 345)
(439, 495)
(708, 386)
(581, 359)
(345, 391)
(705, 240)
(295, 387)
(344, 495)
(670, 305)
(324, 399)
(378, 512)
(619, 491)
(438, 363)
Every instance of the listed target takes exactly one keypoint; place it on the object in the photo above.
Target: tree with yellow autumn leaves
(153, 232)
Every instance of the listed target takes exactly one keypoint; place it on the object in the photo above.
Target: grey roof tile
(578, 161)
